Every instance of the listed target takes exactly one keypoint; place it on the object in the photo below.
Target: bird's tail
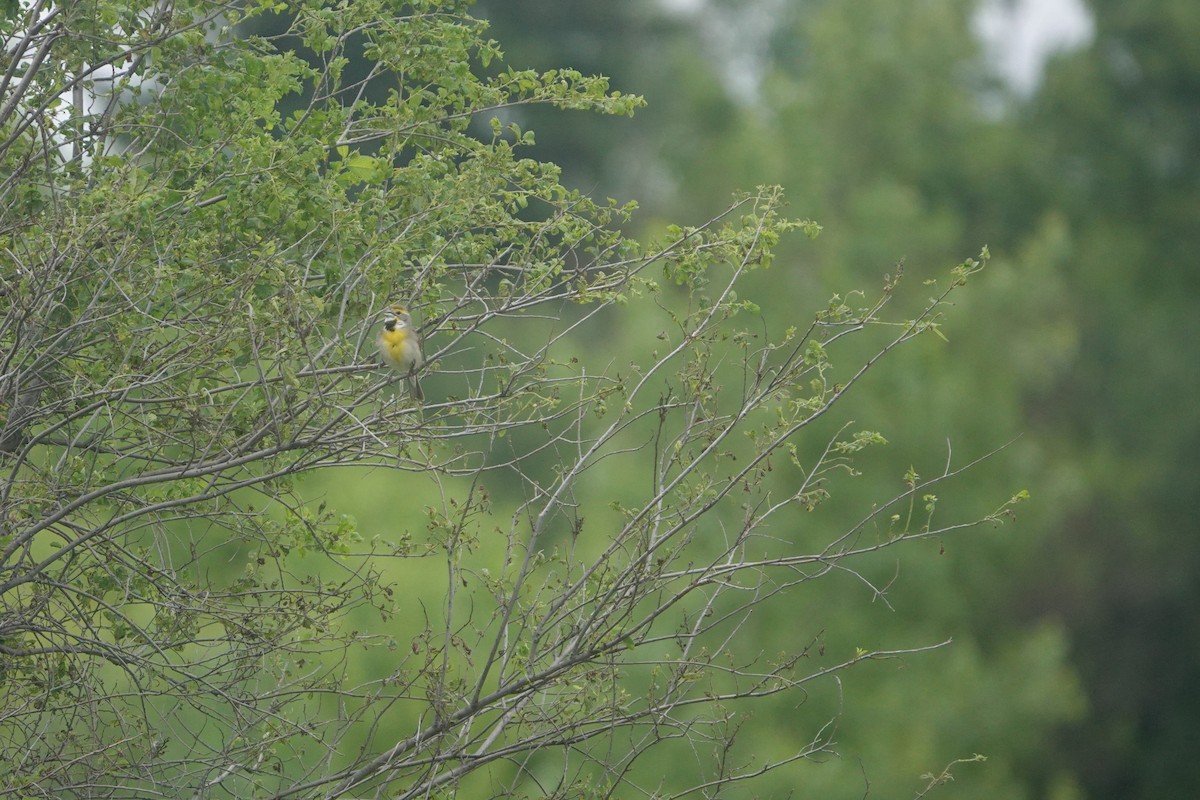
(414, 389)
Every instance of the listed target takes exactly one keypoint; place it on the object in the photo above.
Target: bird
(400, 346)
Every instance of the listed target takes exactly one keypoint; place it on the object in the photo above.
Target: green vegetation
(882, 122)
(717, 505)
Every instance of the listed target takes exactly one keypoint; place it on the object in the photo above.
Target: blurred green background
(898, 127)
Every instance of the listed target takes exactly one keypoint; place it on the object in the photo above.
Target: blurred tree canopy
(1116, 124)
(884, 122)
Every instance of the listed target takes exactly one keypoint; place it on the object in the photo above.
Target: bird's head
(396, 317)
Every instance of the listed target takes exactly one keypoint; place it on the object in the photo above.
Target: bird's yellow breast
(399, 347)
(394, 339)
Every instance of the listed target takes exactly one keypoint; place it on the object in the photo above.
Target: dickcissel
(400, 346)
